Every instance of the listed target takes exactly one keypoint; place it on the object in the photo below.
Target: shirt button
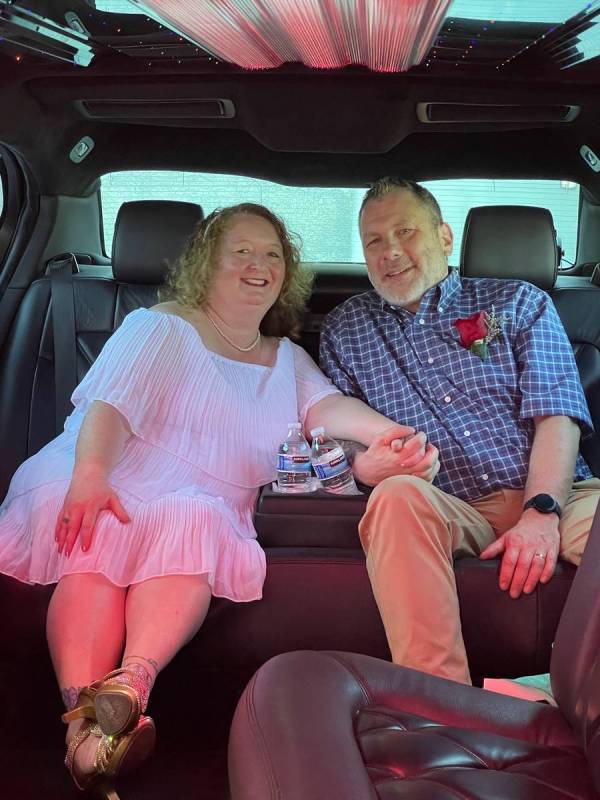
(484, 477)
(467, 433)
(421, 322)
(447, 399)
(430, 360)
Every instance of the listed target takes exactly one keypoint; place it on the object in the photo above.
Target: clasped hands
(397, 450)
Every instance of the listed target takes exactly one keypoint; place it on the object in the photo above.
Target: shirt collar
(450, 289)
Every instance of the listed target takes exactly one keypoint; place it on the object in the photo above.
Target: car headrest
(517, 242)
(149, 236)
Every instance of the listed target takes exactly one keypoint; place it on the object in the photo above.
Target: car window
(510, 10)
(456, 197)
(118, 7)
(326, 218)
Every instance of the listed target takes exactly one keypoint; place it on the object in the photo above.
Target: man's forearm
(552, 459)
(348, 418)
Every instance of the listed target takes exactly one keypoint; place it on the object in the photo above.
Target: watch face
(544, 502)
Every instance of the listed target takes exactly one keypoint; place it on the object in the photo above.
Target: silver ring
(540, 555)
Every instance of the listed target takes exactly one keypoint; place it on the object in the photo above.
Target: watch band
(545, 504)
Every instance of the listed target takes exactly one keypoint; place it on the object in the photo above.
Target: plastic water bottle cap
(317, 431)
(294, 425)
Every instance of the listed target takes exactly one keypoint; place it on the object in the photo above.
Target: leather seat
(336, 725)
(518, 242)
(578, 307)
(149, 234)
(502, 638)
(510, 242)
(317, 593)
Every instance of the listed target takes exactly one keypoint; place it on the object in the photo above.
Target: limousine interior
(121, 125)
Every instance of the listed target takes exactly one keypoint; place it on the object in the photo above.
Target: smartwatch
(545, 504)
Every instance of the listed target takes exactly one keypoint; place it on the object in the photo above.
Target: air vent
(156, 110)
(476, 112)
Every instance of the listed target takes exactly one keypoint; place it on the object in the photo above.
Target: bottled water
(293, 462)
(330, 465)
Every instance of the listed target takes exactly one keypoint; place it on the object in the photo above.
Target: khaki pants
(410, 533)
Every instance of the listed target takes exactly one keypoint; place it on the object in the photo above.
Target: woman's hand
(86, 498)
(393, 452)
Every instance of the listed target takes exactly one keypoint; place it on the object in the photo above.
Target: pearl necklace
(228, 340)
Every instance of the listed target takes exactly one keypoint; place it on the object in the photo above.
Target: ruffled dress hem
(183, 532)
(214, 592)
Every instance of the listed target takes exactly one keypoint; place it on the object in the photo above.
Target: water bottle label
(335, 465)
(288, 463)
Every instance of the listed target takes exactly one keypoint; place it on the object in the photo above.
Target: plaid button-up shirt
(479, 413)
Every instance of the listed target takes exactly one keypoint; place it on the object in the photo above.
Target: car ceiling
(147, 100)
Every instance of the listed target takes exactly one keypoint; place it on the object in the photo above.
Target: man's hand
(530, 550)
(428, 467)
(397, 450)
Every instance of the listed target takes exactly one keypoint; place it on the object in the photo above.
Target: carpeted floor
(190, 760)
(201, 774)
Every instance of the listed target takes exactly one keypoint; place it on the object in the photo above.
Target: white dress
(205, 434)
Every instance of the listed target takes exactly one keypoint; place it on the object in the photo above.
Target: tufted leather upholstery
(338, 725)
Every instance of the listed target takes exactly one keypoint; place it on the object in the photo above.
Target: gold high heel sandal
(115, 756)
(84, 707)
(119, 699)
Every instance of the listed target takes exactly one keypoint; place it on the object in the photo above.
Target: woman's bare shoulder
(174, 309)
(169, 307)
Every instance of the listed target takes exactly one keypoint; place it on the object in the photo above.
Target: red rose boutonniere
(478, 330)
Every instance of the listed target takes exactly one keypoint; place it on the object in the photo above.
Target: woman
(154, 479)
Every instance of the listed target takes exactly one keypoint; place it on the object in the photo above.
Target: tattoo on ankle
(151, 661)
(69, 696)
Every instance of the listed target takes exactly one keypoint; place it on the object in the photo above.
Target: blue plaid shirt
(412, 368)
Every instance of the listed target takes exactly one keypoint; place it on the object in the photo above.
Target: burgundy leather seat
(331, 725)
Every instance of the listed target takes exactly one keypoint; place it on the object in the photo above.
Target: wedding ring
(540, 555)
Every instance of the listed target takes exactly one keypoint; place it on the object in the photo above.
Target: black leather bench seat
(316, 577)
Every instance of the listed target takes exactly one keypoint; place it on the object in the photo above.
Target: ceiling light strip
(385, 35)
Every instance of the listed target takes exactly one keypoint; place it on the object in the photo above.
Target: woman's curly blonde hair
(190, 278)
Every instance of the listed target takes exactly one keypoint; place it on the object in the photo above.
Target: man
(505, 412)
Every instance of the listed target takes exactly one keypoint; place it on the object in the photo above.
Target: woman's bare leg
(162, 615)
(85, 627)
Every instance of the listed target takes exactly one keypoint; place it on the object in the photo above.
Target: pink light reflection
(384, 35)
